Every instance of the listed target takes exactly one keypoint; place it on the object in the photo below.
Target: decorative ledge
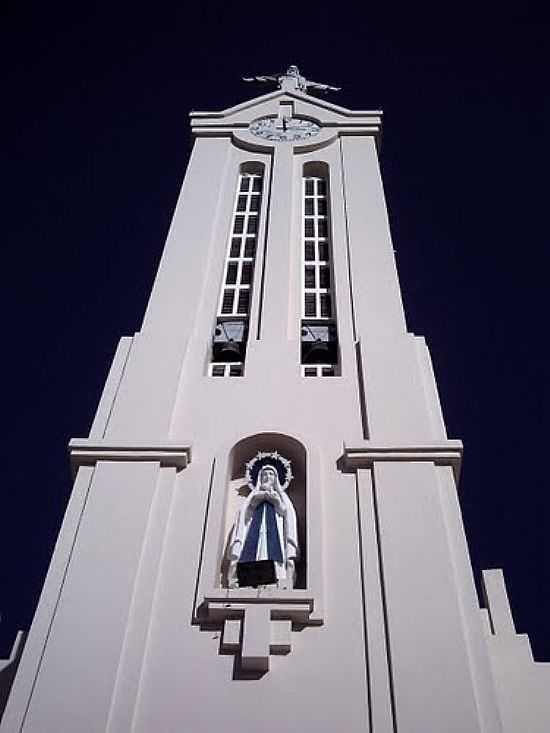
(255, 630)
(87, 451)
(444, 453)
(297, 612)
(257, 622)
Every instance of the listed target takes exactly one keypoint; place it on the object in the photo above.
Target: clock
(287, 129)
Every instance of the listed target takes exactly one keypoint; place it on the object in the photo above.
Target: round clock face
(284, 128)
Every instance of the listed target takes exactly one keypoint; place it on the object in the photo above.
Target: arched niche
(237, 491)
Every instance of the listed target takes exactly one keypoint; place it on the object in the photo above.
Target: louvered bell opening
(229, 343)
(319, 343)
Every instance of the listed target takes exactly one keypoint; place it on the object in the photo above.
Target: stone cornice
(442, 453)
(87, 451)
(279, 93)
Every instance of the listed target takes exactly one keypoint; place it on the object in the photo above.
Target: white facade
(136, 629)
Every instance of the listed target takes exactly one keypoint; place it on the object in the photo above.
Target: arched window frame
(235, 299)
(318, 306)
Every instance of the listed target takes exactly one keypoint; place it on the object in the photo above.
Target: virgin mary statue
(263, 546)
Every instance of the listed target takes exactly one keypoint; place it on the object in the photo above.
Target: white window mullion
(244, 190)
(317, 299)
(232, 317)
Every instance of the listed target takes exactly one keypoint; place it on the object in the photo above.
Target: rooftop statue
(292, 79)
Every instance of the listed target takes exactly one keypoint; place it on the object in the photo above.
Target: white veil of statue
(265, 529)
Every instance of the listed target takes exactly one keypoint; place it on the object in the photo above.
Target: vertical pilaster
(400, 393)
(431, 670)
(378, 306)
(378, 661)
(468, 603)
(29, 667)
(276, 297)
(78, 669)
(139, 617)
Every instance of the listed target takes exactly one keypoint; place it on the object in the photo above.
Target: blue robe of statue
(262, 519)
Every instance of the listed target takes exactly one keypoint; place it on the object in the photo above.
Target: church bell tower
(264, 531)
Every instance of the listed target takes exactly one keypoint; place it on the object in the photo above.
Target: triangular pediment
(267, 105)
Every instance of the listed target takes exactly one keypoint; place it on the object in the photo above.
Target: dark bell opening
(229, 341)
(319, 352)
(319, 343)
(229, 351)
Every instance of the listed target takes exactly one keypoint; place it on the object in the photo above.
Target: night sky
(95, 143)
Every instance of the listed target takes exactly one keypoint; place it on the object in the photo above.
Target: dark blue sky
(95, 143)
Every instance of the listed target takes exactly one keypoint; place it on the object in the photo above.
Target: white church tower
(264, 532)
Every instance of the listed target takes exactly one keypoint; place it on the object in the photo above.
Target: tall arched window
(231, 332)
(319, 333)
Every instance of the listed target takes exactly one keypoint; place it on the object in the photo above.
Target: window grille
(319, 339)
(317, 298)
(318, 370)
(231, 332)
(239, 268)
(226, 369)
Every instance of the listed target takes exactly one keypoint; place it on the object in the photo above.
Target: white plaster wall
(113, 646)
(171, 350)
(467, 601)
(78, 669)
(22, 690)
(321, 681)
(399, 408)
(145, 399)
(432, 674)
(522, 684)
